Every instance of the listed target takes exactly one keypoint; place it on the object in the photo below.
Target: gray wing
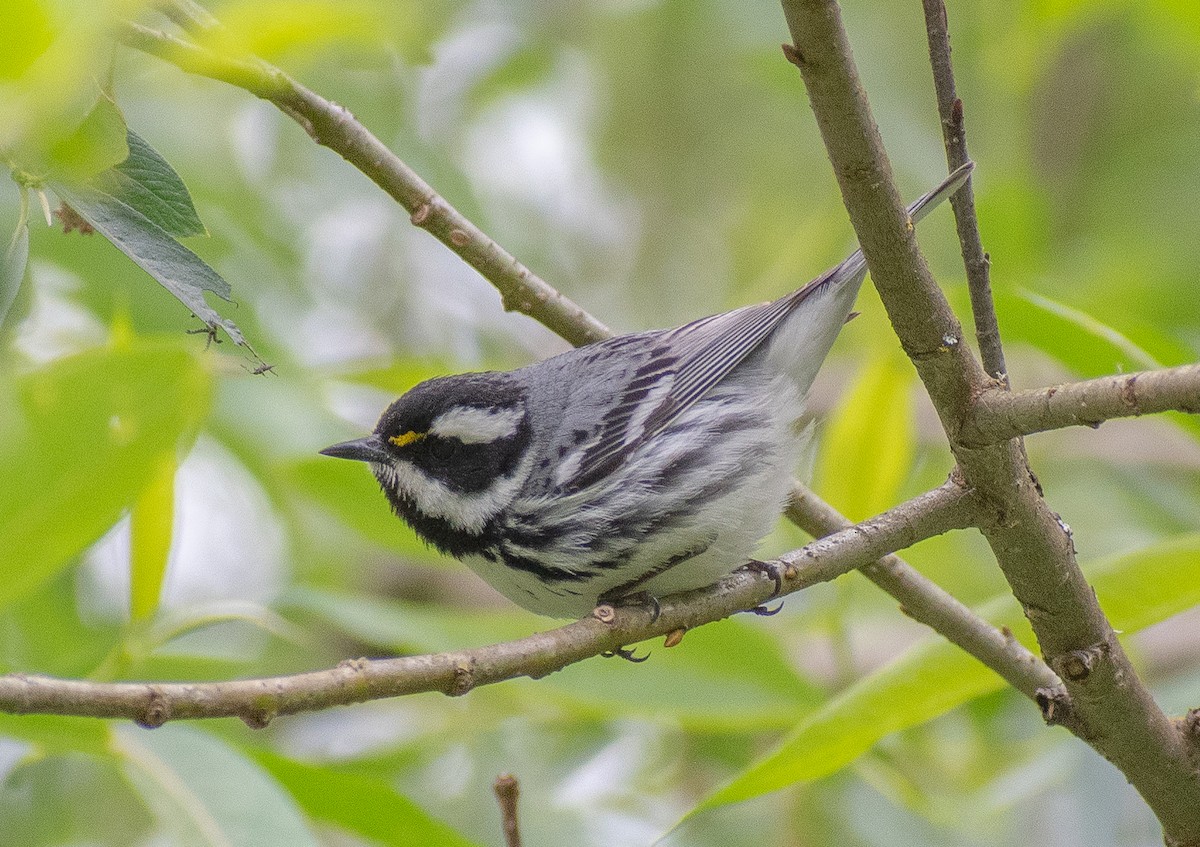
(691, 360)
(695, 357)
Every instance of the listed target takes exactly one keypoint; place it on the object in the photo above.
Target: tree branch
(334, 127)
(1115, 712)
(928, 330)
(346, 136)
(950, 108)
(257, 701)
(926, 602)
(1000, 415)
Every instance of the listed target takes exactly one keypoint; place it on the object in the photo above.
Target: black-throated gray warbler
(652, 462)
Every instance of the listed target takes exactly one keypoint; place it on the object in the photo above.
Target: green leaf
(97, 144)
(349, 491)
(868, 446)
(366, 806)
(269, 28)
(56, 734)
(176, 268)
(147, 184)
(202, 790)
(85, 439)
(16, 258)
(1135, 590)
(152, 520)
(1083, 343)
(27, 34)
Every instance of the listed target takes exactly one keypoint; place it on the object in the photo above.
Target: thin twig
(1000, 415)
(257, 701)
(978, 265)
(507, 791)
(1116, 714)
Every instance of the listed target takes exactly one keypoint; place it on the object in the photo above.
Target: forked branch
(1116, 714)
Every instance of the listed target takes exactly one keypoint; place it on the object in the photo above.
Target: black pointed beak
(368, 449)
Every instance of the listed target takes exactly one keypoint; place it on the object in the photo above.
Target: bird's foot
(777, 573)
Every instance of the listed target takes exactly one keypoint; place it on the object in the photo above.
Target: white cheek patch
(472, 425)
(466, 512)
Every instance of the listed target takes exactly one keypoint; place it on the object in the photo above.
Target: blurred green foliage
(656, 161)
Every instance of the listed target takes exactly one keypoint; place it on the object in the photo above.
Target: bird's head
(450, 455)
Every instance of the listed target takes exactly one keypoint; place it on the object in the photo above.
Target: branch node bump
(260, 715)
(420, 214)
(605, 613)
(674, 637)
(156, 712)
(459, 237)
(464, 678)
(1078, 665)
(792, 54)
(1054, 703)
(1129, 395)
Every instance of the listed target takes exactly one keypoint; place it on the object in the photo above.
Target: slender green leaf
(1136, 590)
(176, 268)
(869, 442)
(152, 520)
(88, 433)
(16, 258)
(202, 790)
(147, 184)
(1081, 342)
(364, 805)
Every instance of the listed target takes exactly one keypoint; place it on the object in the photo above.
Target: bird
(635, 467)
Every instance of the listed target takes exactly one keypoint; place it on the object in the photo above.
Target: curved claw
(638, 597)
(764, 612)
(626, 654)
(771, 569)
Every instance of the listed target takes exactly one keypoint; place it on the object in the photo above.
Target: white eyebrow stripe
(473, 425)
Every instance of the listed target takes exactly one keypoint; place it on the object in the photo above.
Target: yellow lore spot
(407, 438)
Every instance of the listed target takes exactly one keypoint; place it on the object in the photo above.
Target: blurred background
(656, 161)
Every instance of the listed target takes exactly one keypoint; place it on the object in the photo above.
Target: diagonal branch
(257, 701)
(928, 603)
(1116, 714)
(1000, 415)
(334, 127)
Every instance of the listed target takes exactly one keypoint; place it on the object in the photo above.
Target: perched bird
(645, 464)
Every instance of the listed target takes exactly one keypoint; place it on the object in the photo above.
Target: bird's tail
(856, 263)
(820, 308)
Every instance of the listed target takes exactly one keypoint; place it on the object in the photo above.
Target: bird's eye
(444, 448)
